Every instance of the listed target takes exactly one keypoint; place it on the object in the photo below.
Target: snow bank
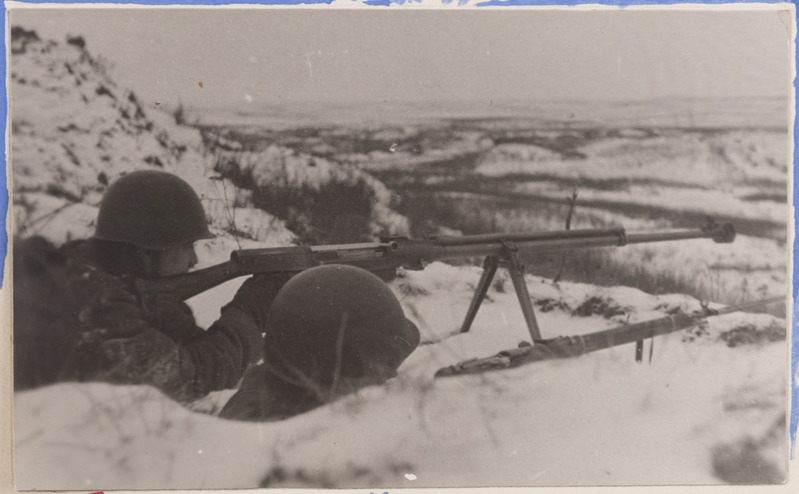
(701, 412)
(297, 184)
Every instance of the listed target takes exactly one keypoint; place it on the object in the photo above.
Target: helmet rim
(153, 210)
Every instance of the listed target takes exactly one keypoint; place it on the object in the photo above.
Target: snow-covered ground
(714, 174)
(701, 412)
(710, 407)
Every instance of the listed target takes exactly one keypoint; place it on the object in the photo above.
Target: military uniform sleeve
(262, 398)
(253, 401)
(218, 359)
(123, 342)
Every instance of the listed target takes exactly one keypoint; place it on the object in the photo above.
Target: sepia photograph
(378, 248)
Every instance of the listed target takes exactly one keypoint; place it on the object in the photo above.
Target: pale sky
(285, 55)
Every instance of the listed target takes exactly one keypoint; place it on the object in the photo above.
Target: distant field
(512, 167)
(676, 112)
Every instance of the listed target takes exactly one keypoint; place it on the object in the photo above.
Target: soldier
(330, 331)
(84, 312)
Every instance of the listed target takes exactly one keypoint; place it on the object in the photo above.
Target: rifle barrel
(722, 234)
(448, 241)
(450, 247)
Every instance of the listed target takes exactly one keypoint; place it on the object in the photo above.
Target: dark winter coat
(264, 398)
(76, 321)
(270, 391)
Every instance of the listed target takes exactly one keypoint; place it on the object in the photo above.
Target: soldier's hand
(256, 295)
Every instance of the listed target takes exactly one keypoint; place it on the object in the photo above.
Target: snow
(288, 169)
(709, 202)
(74, 130)
(599, 419)
(677, 170)
(708, 409)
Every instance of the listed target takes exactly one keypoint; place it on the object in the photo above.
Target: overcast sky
(284, 55)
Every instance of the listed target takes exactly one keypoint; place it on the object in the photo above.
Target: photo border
(6, 389)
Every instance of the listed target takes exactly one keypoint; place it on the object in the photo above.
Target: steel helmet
(338, 316)
(151, 209)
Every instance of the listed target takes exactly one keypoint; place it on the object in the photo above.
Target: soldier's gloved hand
(173, 317)
(256, 295)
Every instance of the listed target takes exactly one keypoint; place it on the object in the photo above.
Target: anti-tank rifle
(563, 347)
(389, 254)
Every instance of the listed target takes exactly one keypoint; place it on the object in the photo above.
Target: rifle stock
(385, 256)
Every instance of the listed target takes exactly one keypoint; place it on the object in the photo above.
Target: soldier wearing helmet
(330, 330)
(150, 220)
(115, 328)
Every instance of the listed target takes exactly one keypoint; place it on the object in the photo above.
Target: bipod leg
(516, 270)
(489, 270)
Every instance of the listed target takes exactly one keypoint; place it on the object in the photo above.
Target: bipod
(510, 259)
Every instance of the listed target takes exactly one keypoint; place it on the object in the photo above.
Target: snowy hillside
(74, 130)
(708, 409)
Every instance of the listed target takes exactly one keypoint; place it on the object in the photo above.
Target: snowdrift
(708, 409)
